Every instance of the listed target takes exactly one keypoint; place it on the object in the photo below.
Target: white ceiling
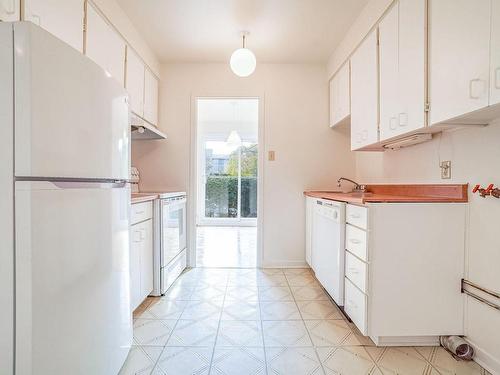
(285, 31)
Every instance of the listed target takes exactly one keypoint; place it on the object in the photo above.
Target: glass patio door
(230, 181)
(228, 166)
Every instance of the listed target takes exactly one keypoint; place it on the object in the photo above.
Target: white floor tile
(319, 310)
(309, 293)
(194, 333)
(292, 361)
(277, 310)
(241, 310)
(164, 309)
(328, 332)
(152, 332)
(238, 360)
(206, 309)
(349, 360)
(285, 333)
(240, 333)
(184, 361)
(275, 293)
(242, 293)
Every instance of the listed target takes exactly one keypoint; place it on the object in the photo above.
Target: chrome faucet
(357, 187)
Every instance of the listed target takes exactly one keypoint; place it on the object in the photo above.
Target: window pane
(221, 186)
(249, 163)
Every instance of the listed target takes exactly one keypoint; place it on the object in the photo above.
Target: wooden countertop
(142, 197)
(441, 193)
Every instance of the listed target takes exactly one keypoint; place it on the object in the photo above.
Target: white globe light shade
(243, 62)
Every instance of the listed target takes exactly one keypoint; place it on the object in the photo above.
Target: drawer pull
(354, 241)
(139, 212)
(355, 216)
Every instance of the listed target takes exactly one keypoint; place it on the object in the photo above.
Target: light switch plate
(445, 169)
(271, 156)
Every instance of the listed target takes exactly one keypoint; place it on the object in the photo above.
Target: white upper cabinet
(495, 53)
(135, 82)
(10, 10)
(402, 68)
(340, 96)
(412, 65)
(150, 98)
(388, 59)
(104, 45)
(459, 68)
(364, 93)
(63, 18)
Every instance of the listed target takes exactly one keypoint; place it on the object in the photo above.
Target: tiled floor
(248, 321)
(226, 246)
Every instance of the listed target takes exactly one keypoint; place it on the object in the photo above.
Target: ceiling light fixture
(243, 60)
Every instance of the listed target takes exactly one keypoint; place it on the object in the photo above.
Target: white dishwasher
(328, 246)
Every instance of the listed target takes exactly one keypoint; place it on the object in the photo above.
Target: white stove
(169, 220)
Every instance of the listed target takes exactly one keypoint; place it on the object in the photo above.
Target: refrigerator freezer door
(71, 119)
(72, 278)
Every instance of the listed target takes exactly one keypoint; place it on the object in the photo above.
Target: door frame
(192, 207)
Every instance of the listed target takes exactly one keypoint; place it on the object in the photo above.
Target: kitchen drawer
(141, 211)
(172, 271)
(357, 216)
(355, 241)
(355, 305)
(356, 271)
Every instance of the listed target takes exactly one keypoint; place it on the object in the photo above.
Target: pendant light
(243, 60)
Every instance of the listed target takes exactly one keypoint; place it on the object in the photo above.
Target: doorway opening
(227, 182)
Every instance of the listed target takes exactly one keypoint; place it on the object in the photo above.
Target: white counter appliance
(170, 240)
(328, 246)
(64, 209)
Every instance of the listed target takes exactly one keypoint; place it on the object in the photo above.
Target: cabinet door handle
(392, 123)
(354, 240)
(353, 270)
(497, 78)
(474, 92)
(139, 212)
(403, 119)
(355, 216)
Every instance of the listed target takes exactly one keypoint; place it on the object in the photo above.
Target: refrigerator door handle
(76, 183)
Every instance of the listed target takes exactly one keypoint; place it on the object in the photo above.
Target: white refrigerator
(64, 209)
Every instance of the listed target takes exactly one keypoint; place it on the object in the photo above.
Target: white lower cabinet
(10, 10)
(403, 274)
(141, 253)
(355, 306)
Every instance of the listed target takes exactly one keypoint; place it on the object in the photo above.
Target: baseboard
(405, 340)
(485, 359)
(284, 264)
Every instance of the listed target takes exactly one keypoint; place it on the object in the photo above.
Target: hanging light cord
(243, 41)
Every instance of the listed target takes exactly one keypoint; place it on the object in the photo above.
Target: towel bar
(479, 298)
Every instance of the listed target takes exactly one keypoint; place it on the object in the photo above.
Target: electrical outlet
(445, 169)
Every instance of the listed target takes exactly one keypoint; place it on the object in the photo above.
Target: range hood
(142, 130)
